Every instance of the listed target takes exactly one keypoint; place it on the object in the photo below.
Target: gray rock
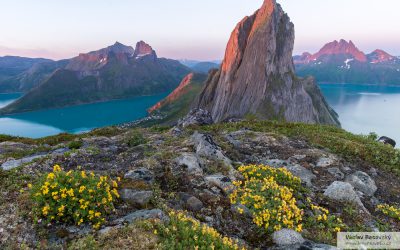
(60, 151)
(196, 117)
(140, 174)
(8, 165)
(287, 237)
(325, 162)
(344, 192)
(8, 147)
(137, 198)
(206, 147)
(191, 162)
(276, 163)
(339, 175)
(221, 182)
(144, 215)
(363, 183)
(194, 204)
(304, 174)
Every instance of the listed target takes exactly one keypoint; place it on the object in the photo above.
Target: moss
(75, 144)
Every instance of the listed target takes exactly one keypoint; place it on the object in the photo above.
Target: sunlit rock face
(257, 75)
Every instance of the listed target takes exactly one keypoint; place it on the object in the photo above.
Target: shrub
(75, 145)
(391, 211)
(320, 220)
(184, 232)
(73, 197)
(135, 138)
(268, 193)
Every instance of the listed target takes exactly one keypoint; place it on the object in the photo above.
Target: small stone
(222, 182)
(140, 174)
(144, 215)
(287, 237)
(194, 204)
(325, 162)
(137, 198)
(362, 182)
(339, 175)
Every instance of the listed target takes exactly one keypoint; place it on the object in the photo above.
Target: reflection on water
(76, 119)
(366, 108)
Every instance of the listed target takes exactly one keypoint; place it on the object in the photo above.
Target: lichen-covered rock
(305, 175)
(206, 147)
(343, 192)
(196, 117)
(140, 174)
(11, 164)
(220, 181)
(191, 163)
(144, 215)
(362, 182)
(135, 197)
(287, 237)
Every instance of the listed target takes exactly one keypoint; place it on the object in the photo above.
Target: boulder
(8, 165)
(304, 174)
(191, 163)
(287, 237)
(140, 174)
(387, 141)
(363, 183)
(344, 192)
(206, 147)
(136, 198)
(196, 117)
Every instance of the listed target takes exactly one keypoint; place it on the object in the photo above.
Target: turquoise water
(74, 119)
(366, 108)
(362, 109)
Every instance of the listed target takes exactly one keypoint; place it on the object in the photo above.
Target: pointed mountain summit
(257, 75)
(143, 49)
(380, 56)
(340, 48)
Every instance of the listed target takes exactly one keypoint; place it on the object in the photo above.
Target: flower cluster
(321, 219)
(391, 211)
(74, 197)
(184, 232)
(268, 193)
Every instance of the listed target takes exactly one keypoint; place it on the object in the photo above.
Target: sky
(190, 29)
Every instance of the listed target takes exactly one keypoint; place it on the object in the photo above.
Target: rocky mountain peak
(143, 49)
(341, 47)
(257, 74)
(380, 56)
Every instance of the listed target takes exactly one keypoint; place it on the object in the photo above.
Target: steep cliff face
(257, 75)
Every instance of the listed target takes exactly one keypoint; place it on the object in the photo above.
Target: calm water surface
(74, 119)
(362, 109)
(366, 108)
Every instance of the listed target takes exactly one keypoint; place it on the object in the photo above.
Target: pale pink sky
(185, 29)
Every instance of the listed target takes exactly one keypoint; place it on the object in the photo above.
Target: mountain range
(115, 72)
(342, 62)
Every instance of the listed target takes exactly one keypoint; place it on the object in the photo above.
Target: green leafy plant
(268, 193)
(184, 232)
(73, 197)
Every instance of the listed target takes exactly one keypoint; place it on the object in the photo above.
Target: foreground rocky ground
(193, 169)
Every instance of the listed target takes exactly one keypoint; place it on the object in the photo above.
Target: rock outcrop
(257, 75)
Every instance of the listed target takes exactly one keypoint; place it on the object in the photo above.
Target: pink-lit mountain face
(344, 48)
(343, 62)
